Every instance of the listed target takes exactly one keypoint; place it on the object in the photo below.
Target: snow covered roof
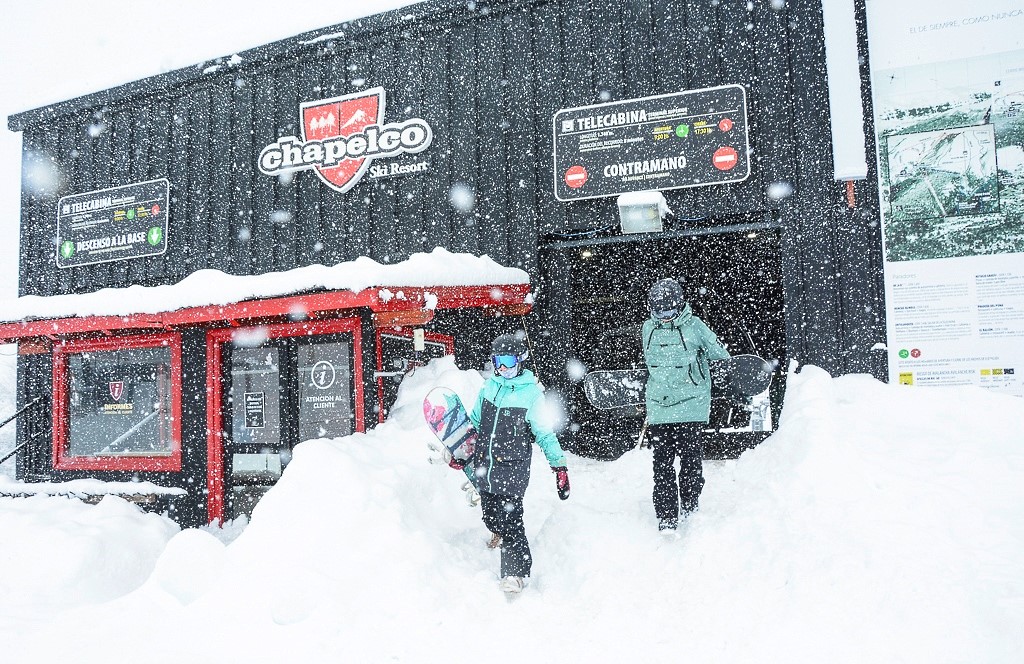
(397, 286)
(441, 12)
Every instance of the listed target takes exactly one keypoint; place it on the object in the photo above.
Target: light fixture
(586, 253)
(642, 211)
(751, 235)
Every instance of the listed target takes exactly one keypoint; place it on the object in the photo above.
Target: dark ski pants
(504, 515)
(670, 441)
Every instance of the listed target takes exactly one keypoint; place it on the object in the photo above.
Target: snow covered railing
(145, 494)
(415, 287)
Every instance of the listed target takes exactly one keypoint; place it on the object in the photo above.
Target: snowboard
(738, 377)
(448, 418)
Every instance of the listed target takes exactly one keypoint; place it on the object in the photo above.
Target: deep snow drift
(880, 523)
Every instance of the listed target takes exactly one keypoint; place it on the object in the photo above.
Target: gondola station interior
(220, 262)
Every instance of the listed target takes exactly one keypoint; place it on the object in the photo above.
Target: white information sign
(948, 89)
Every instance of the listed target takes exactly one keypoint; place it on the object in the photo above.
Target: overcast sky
(52, 50)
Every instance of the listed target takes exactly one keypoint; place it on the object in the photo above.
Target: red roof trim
(313, 305)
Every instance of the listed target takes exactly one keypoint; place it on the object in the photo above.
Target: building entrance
(270, 388)
(280, 393)
(733, 281)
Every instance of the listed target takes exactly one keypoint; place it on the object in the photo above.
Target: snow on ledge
(86, 487)
(440, 267)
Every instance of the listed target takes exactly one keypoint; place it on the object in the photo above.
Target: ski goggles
(666, 314)
(507, 361)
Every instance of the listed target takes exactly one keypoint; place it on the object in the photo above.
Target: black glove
(562, 481)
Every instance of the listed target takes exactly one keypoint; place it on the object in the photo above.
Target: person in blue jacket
(508, 416)
(677, 348)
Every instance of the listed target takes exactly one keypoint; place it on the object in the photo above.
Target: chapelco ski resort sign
(684, 139)
(341, 136)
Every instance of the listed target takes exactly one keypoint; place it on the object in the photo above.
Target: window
(117, 404)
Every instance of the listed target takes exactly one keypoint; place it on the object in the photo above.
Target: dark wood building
(469, 91)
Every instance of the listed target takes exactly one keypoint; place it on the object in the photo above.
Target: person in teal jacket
(508, 416)
(677, 348)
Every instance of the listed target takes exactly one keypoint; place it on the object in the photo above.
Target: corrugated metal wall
(488, 77)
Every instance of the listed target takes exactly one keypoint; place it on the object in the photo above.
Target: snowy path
(876, 525)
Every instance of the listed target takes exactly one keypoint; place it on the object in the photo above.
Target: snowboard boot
(494, 542)
(667, 526)
(512, 585)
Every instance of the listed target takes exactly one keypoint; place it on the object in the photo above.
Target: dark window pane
(120, 402)
(255, 398)
(325, 390)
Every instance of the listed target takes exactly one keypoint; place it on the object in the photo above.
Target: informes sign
(113, 224)
(684, 139)
(948, 87)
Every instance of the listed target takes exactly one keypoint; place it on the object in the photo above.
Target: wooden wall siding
(488, 81)
(488, 84)
(35, 426)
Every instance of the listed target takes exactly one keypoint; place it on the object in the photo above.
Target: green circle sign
(683, 130)
(155, 235)
(904, 353)
(130, 213)
(67, 249)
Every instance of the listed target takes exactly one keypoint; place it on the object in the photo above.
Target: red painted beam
(294, 307)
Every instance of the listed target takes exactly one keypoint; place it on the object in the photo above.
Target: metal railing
(10, 419)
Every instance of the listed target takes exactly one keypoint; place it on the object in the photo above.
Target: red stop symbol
(725, 158)
(155, 210)
(576, 177)
(725, 124)
(915, 353)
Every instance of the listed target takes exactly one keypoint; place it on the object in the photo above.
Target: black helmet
(509, 344)
(665, 296)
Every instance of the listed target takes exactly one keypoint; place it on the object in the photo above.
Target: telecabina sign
(341, 136)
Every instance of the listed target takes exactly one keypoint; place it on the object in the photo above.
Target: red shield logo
(342, 117)
(116, 389)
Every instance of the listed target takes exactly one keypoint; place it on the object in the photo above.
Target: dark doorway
(733, 281)
(280, 393)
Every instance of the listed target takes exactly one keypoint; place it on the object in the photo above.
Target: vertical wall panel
(304, 217)
(464, 136)
(408, 223)
(384, 208)
(359, 215)
(219, 210)
(521, 156)
(547, 48)
(334, 211)
(438, 214)
(278, 222)
(491, 175)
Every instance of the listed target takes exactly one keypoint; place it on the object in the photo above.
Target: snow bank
(879, 523)
(60, 553)
(440, 267)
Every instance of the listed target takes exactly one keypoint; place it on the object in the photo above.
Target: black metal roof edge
(356, 28)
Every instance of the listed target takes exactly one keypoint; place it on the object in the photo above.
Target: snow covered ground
(879, 523)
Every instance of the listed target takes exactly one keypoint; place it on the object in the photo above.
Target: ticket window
(281, 393)
(117, 404)
(397, 355)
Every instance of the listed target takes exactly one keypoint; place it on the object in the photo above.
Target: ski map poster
(948, 89)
